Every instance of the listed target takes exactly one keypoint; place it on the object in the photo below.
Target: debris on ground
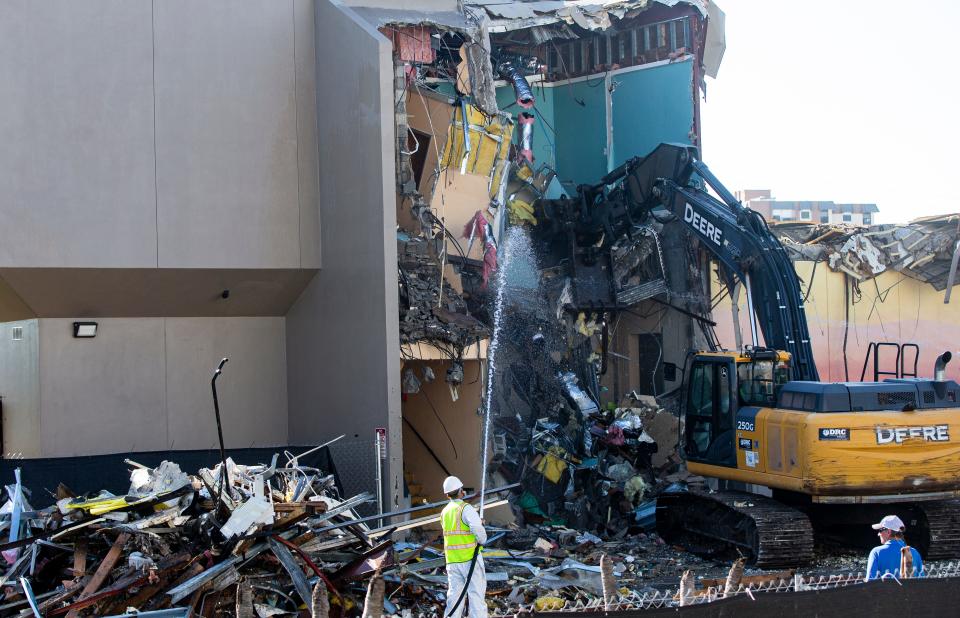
(242, 540)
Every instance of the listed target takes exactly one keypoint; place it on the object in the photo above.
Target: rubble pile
(233, 540)
(922, 249)
(596, 471)
(427, 311)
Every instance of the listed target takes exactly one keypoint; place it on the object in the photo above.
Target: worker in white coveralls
(463, 536)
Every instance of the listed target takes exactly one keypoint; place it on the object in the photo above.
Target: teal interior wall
(652, 106)
(581, 122)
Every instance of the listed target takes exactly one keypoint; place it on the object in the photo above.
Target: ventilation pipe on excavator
(939, 367)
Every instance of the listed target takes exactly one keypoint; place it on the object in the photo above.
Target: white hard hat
(890, 522)
(451, 484)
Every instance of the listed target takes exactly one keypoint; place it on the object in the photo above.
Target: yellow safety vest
(458, 542)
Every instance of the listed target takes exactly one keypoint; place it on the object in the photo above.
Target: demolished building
(311, 213)
(291, 236)
(563, 94)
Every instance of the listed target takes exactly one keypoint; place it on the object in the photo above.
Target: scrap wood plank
(134, 579)
(80, 559)
(100, 576)
(64, 595)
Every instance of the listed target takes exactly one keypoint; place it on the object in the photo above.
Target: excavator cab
(721, 383)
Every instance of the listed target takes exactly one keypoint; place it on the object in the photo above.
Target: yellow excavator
(791, 455)
(831, 457)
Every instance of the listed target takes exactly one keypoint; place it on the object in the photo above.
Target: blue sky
(849, 100)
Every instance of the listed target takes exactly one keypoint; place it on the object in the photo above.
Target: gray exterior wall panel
(227, 176)
(102, 395)
(76, 128)
(307, 147)
(143, 384)
(342, 334)
(20, 389)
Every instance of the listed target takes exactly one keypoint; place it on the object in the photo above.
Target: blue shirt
(886, 559)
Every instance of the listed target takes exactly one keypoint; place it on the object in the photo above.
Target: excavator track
(943, 528)
(769, 534)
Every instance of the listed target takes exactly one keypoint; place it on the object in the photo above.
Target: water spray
(491, 358)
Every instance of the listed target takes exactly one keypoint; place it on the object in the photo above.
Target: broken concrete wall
(648, 337)
(343, 333)
(143, 384)
(888, 308)
(650, 104)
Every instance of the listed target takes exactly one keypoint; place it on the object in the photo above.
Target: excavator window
(759, 382)
(710, 413)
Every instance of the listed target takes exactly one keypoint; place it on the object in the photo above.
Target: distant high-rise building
(820, 211)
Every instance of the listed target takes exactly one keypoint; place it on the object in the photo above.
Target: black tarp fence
(95, 472)
(913, 598)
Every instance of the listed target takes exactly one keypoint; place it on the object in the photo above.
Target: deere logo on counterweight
(930, 433)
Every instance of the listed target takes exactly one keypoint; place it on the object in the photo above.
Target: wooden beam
(103, 571)
(80, 559)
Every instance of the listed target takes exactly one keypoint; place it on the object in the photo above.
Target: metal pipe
(940, 366)
(224, 476)
(526, 135)
(390, 514)
(521, 87)
(378, 447)
(751, 313)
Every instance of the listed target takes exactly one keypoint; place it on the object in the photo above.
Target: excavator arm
(670, 178)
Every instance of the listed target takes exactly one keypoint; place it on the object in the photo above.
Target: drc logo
(834, 433)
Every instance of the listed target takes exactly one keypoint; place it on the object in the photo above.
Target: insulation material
(412, 43)
(477, 72)
(484, 145)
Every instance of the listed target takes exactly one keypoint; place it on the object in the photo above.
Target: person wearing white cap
(463, 536)
(886, 559)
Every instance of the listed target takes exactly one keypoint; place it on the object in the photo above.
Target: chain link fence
(671, 599)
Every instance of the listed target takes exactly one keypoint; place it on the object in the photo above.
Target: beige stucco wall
(143, 384)
(891, 308)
